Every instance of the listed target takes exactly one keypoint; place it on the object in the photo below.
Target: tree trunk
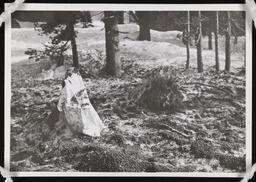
(73, 45)
(217, 64)
(112, 44)
(227, 45)
(199, 45)
(89, 17)
(210, 40)
(60, 60)
(144, 23)
(188, 42)
(188, 55)
(120, 16)
(236, 40)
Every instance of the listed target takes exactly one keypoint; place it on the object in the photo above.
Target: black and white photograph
(130, 91)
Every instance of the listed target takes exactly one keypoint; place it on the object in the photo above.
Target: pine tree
(61, 31)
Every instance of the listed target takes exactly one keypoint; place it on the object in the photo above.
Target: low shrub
(160, 92)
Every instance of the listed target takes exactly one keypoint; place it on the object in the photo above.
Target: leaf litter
(159, 118)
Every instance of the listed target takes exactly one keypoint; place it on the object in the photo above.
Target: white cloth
(79, 113)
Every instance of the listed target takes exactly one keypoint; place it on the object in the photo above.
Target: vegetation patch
(202, 149)
(97, 159)
(160, 92)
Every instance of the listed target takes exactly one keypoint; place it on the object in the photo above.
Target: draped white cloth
(80, 115)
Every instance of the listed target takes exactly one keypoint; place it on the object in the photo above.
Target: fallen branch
(176, 131)
(234, 103)
(198, 83)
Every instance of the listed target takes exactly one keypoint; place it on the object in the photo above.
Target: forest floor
(200, 129)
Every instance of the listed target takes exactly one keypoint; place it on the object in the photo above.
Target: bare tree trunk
(73, 45)
(112, 44)
(210, 40)
(199, 45)
(188, 42)
(188, 55)
(144, 23)
(227, 47)
(217, 64)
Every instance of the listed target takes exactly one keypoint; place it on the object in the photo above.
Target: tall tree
(144, 23)
(227, 43)
(112, 43)
(188, 40)
(86, 18)
(199, 44)
(209, 39)
(73, 44)
(120, 17)
(216, 32)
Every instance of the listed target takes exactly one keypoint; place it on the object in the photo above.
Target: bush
(160, 92)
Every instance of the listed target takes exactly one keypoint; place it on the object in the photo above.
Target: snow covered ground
(165, 48)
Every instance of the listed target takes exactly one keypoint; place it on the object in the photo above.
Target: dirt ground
(200, 129)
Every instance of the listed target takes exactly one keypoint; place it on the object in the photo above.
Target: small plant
(160, 91)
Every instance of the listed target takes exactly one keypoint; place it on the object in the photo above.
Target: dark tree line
(195, 25)
(214, 23)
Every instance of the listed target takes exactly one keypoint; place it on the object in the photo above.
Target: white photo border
(126, 7)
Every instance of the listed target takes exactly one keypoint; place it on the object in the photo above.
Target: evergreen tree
(61, 31)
